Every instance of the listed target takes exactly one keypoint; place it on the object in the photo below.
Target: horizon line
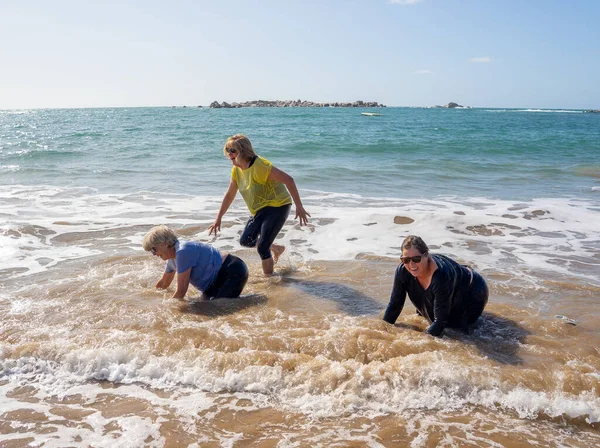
(200, 106)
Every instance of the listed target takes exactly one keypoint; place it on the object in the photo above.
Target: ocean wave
(541, 235)
(18, 111)
(558, 111)
(37, 152)
(562, 111)
(319, 388)
(9, 168)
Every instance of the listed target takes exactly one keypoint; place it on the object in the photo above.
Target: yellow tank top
(257, 191)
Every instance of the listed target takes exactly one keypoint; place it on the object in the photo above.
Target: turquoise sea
(92, 355)
(405, 153)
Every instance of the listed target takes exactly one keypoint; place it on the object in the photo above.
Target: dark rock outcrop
(292, 103)
(451, 105)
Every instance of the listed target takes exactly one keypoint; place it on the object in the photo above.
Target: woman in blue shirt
(446, 293)
(213, 273)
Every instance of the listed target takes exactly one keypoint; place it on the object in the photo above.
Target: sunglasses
(415, 259)
(153, 250)
(231, 150)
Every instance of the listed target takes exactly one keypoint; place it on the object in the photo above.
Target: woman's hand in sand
(215, 227)
(160, 284)
(302, 215)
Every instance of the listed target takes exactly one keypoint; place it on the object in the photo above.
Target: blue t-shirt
(204, 260)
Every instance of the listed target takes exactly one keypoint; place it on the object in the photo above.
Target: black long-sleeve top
(441, 303)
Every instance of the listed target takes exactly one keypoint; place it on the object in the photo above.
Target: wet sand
(303, 359)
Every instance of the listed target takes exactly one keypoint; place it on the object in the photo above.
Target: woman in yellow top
(263, 188)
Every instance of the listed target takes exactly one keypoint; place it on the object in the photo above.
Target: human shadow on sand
(349, 300)
(223, 307)
(496, 337)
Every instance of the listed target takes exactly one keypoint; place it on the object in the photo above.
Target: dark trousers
(263, 227)
(478, 298)
(472, 305)
(231, 279)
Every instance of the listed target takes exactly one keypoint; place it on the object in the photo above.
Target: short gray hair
(159, 235)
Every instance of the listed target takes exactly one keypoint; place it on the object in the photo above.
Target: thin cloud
(424, 72)
(404, 2)
(484, 59)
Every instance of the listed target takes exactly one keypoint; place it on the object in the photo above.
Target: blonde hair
(159, 235)
(241, 144)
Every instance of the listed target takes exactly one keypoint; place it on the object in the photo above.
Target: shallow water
(92, 355)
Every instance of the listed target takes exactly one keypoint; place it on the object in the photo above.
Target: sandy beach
(92, 355)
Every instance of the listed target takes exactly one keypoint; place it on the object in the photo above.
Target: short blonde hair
(241, 144)
(159, 235)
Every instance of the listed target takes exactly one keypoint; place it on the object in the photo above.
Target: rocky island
(291, 103)
(451, 105)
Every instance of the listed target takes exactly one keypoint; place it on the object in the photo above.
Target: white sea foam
(9, 168)
(134, 430)
(46, 225)
(486, 233)
(18, 306)
(561, 111)
(414, 382)
(18, 111)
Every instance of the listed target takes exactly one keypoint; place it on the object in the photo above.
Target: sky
(479, 53)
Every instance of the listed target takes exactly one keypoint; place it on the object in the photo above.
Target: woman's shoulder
(446, 266)
(191, 245)
(262, 161)
(195, 249)
(443, 260)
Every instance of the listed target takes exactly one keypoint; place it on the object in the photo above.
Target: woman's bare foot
(276, 250)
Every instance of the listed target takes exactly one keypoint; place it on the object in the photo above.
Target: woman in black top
(443, 291)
